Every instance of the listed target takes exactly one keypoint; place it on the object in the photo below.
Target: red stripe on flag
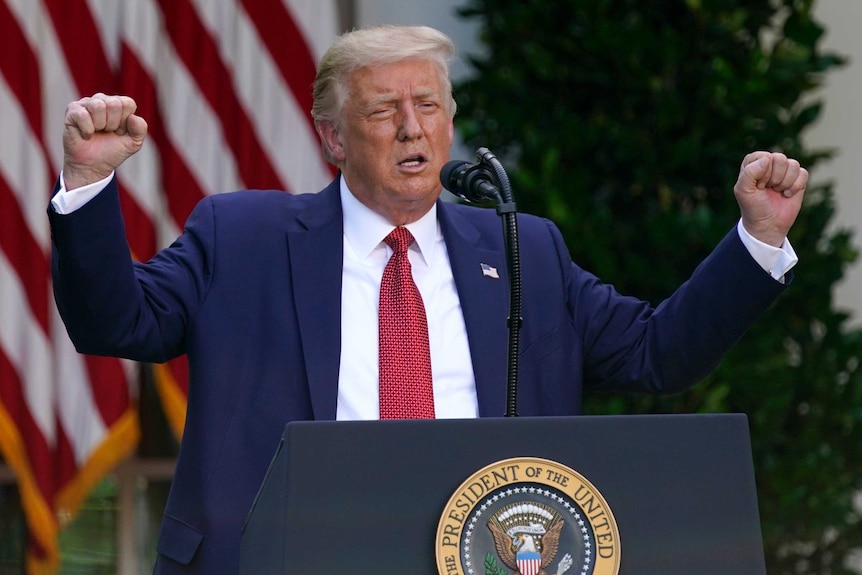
(180, 370)
(182, 190)
(25, 255)
(65, 466)
(108, 382)
(20, 66)
(81, 42)
(199, 52)
(140, 231)
(286, 44)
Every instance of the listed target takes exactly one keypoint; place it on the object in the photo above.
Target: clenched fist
(769, 192)
(100, 133)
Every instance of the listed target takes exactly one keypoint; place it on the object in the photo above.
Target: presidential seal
(527, 516)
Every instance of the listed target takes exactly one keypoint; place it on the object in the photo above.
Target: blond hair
(376, 46)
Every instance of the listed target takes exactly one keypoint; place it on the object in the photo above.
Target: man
(274, 297)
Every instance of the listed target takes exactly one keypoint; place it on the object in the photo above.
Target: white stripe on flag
(318, 21)
(22, 166)
(292, 145)
(29, 350)
(76, 408)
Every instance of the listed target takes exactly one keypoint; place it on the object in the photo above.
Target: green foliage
(491, 566)
(625, 122)
(88, 545)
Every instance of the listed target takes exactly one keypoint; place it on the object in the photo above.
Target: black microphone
(472, 182)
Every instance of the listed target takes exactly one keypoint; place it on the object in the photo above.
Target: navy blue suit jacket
(251, 291)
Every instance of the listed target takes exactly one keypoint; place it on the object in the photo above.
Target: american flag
(225, 86)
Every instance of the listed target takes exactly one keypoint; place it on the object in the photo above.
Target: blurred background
(622, 120)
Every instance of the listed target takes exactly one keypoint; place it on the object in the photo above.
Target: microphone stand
(507, 211)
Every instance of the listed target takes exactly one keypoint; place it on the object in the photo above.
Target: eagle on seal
(511, 549)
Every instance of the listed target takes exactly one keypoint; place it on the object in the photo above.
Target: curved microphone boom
(478, 183)
(471, 182)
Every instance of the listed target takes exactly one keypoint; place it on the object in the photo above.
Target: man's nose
(410, 124)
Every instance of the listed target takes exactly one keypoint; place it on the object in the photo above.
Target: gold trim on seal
(527, 508)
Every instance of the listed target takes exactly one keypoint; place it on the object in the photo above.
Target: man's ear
(328, 132)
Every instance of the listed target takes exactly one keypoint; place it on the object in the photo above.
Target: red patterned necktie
(406, 391)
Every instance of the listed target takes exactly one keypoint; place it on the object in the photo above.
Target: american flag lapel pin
(490, 271)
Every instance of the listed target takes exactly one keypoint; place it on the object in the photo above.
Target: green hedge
(625, 122)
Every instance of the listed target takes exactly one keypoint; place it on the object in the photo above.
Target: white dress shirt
(365, 256)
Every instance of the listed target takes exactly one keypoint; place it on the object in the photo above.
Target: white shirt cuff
(67, 202)
(775, 261)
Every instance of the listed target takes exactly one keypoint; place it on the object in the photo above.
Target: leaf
(491, 566)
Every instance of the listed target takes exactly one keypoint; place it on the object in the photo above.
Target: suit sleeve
(631, 346)
(112, 305)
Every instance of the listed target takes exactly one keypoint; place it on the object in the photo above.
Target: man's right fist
(100, 133)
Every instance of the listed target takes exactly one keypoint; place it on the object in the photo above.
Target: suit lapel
(316, 251)
(484, 303)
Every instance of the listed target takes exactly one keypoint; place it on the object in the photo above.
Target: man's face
(394, 138)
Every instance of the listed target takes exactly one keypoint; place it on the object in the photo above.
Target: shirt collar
(366, 229)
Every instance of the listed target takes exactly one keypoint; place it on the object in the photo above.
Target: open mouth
(412, 161)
